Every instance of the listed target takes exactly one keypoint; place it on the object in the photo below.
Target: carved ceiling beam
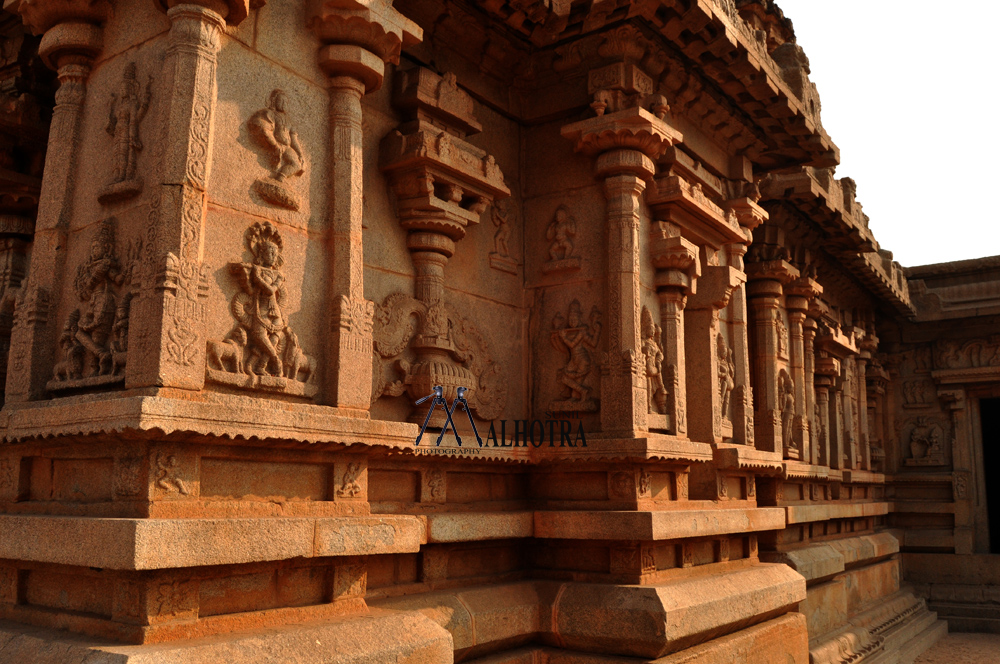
(72, 37)
(627, 136)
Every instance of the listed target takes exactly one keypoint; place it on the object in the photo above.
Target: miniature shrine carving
(279, 142)
(128, 108)
(577, 338)
(560, 233)
(261, 351)
(782, 332)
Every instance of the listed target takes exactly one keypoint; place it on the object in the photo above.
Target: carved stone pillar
(868, 347)
(676, 260)
(764, 290)
(798, 294)
(72, 38)
(625, 143)
(357, 42)
(708, 353)
(167, 322)
(823, 457)
(443, 184)
(750, 216)
(812, 408)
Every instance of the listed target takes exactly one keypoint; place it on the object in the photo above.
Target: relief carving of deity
(572, 335)
(94, 338)
(727, 374)
(272, 132)
(128, 108)
(560, 234)
(653, 352)
(786, 400)
(261, 350)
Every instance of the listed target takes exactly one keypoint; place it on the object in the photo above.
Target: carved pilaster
(676, 260)
(625, 141)
(167, 340)
(357, 41)
(798, 295)
(72, 39)
(771, 387)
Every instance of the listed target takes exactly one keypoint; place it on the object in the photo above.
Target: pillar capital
(233, 11)
(359, 37)
(630, 129)
(42, 15)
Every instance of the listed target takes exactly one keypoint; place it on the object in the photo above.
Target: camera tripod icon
(439, 400)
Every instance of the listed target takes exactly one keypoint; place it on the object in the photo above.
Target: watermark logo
(525, 433)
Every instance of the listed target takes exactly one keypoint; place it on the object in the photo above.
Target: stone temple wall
(240, 239)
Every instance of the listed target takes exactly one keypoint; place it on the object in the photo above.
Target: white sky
(909, 93)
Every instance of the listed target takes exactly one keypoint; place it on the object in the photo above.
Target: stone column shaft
(764, 299)
(348, 378)
(862, 405)
(672, 303)
(624, 405)
(70, 49)
(796, 318)
(809, 337)
(167, 321)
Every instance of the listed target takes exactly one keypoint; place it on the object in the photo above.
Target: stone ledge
(827, 511)
(138, 544)
(476, 526)
(221, 415)
(743, 457)
(415, 640)
(828, 559)
(650, 526)
(652, 621)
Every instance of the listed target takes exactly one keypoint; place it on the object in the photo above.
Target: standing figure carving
(500, 258)
(272, 132)
(560, 233)
(578, 338)
(786, 399)
(261, 350)
(86, 339)
(653, 351)
(128, 108)
(727, 374)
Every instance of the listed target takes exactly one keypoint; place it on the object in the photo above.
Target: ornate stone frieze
(261, 351)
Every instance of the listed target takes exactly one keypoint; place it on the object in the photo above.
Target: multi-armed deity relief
(94, 340)
(572, 335)
(261, 351)
(272, 132)
(128, 108)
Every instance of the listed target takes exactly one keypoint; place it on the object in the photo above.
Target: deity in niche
(578, 338)
(727, 373)
(786, 402)
(270, 129)
(500, 258)
(924, 436)
(560, 233)
(93, 333)
(782, 337)
(128, 108)
(261, 344)
(653, 352)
